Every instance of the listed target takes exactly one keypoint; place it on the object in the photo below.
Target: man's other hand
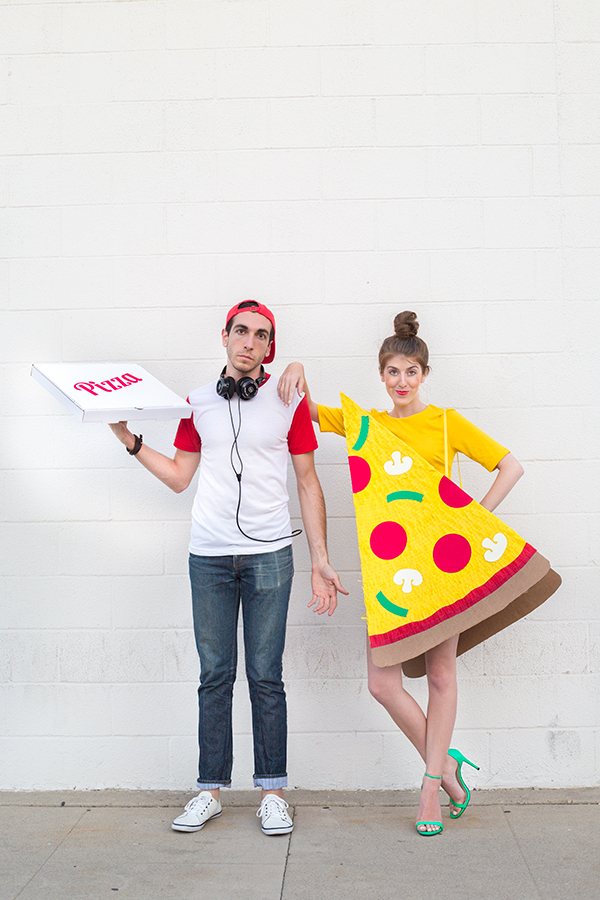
(325, 585)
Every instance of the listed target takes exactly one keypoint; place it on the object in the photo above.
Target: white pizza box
(110, 392)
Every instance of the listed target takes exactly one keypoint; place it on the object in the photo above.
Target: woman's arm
(509, 472)
(292, 379)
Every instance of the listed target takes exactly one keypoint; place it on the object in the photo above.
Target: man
(240, 434)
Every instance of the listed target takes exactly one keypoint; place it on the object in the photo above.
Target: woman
(403, 367)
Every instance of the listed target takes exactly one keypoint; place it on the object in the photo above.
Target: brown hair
(404, 342)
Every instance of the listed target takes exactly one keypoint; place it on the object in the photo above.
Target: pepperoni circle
(452, 553)
(452, 495)
(388, 540)
(360, 473)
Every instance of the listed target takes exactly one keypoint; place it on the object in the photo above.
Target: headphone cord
(239, 474)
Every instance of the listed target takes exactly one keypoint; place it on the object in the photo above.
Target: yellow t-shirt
(424, 432)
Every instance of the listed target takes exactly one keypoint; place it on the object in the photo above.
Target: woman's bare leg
(440, 662)
(386, 685)
(441, 716)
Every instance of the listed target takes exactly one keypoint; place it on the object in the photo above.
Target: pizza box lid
(110, 392)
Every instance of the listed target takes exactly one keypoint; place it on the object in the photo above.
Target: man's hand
(325, 585)
(291, 379)
(123, 433)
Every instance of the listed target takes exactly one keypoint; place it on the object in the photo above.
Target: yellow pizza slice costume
(434, 562)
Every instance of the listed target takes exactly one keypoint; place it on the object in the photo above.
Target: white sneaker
(198, 812)
(275, 819)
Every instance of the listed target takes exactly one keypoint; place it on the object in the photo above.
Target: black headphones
(246, 388)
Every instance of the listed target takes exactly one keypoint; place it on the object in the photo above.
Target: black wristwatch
(137, 446)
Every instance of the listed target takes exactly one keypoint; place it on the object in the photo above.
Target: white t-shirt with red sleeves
(269, 431)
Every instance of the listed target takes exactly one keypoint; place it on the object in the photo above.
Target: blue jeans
(262, 583)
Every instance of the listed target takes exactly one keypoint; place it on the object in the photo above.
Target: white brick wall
(341, 161)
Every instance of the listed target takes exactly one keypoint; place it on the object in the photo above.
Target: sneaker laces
(195, 801)
(271, 800)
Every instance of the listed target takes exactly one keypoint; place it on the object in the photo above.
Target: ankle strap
(427, 775)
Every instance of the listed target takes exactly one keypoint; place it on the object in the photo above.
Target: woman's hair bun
(405, 342)
(406, 325)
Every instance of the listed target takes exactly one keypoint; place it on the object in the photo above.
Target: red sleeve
(301, 436)
(187, 438)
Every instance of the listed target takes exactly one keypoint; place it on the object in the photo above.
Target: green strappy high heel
(440, 827)
(460, 759)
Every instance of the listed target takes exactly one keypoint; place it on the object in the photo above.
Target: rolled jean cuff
(212, 785)
(270, 783)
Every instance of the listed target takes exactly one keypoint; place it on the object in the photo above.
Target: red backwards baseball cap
(255, 306)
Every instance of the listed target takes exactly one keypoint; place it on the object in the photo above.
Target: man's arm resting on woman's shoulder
(176, 473)
(324, 579)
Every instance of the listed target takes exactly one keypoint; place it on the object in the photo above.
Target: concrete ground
(90, 845)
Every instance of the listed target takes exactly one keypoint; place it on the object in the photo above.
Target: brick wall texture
(341, 161)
